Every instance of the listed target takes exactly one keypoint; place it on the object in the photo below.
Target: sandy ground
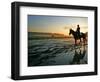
(56, 52)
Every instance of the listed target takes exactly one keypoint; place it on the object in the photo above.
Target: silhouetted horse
(77, 36)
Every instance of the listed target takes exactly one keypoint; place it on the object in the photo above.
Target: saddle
(78, 35)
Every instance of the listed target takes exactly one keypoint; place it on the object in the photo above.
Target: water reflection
(79, 56)
(56, 52)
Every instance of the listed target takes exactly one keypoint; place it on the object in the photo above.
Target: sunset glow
(56, 24)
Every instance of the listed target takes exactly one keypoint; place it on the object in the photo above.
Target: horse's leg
(75, 41)
(80, 41)
(84, 40)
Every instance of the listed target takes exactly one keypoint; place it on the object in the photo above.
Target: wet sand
(49, 52)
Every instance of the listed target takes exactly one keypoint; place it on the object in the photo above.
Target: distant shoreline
(41, 35)
(37, 38)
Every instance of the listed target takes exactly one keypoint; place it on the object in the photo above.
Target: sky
(56, 24)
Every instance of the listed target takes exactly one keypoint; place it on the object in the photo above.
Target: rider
(78, 30)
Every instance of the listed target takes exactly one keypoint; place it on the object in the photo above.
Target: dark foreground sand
(49, 52)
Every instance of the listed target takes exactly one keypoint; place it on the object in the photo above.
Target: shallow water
(46, 52)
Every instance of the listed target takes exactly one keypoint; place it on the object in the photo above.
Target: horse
(77, 36)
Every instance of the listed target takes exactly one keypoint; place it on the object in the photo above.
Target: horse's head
(70, 31)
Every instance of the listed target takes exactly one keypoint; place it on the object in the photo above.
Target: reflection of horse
(79, 55)
(77, 36)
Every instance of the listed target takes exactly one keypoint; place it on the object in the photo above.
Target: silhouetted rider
(78, 30)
